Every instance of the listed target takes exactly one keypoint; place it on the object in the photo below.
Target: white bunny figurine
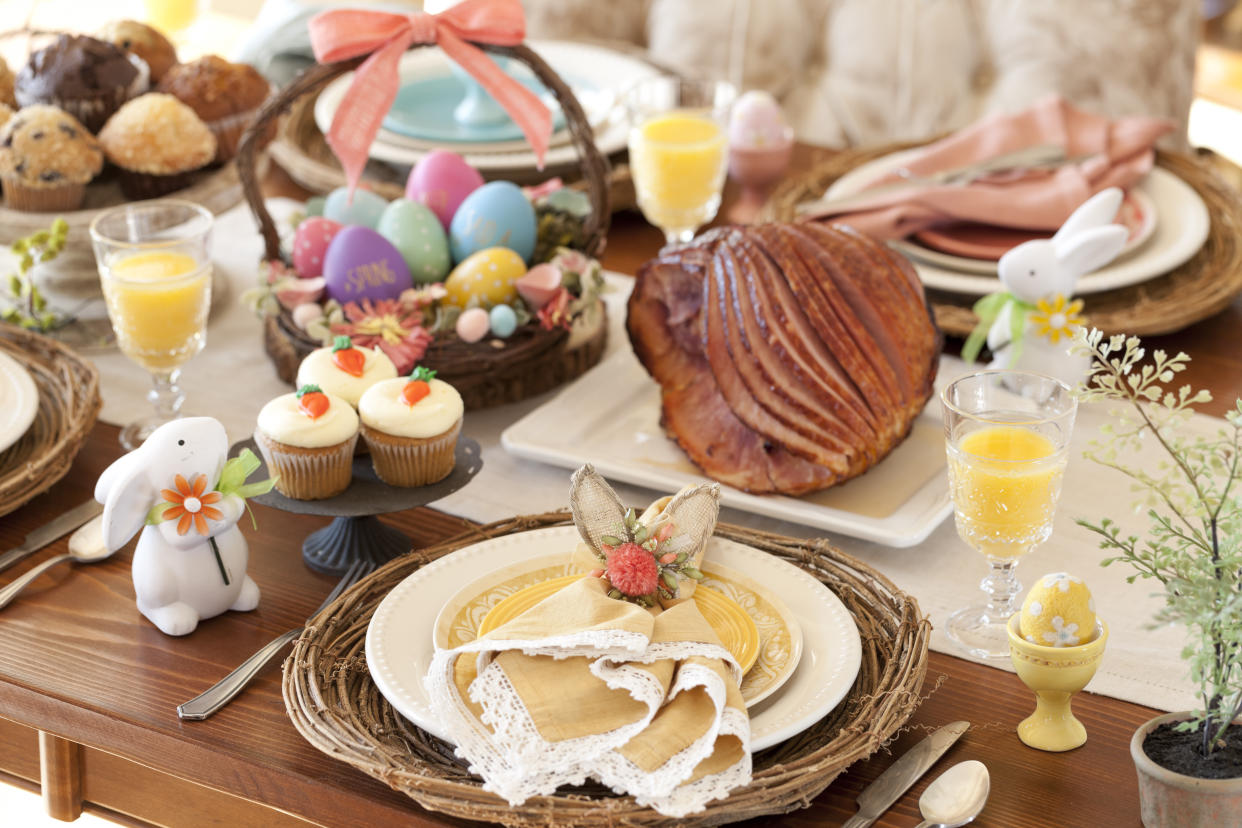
(1045, 268)
(192, 564)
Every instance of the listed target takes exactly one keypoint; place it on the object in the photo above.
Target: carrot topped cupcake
(307, 440)
(411, 427)
(345, 370)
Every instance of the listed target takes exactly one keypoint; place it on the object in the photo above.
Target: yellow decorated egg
(1058, 612)
(486, 278)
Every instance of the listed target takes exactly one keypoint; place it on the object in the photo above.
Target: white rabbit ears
(598, 512)
(1088, 239)
(1097, 211)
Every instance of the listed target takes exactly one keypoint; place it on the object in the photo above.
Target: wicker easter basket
(493, 371)
(335, 705)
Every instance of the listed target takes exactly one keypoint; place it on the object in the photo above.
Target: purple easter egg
(362, 264)
(310, 245)
(442, 180)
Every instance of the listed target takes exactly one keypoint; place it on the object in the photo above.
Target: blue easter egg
(497, 214)
(362, 264)
(365, 209)
(417, 233)
(504, 321)
(314, 206)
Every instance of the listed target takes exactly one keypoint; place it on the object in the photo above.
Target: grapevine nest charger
(1201, 287)
(530, 362)
(69, 402)
(336, 706)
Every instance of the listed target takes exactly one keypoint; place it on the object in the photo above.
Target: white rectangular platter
(610, 417)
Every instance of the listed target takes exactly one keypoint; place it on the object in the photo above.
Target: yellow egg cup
(1055, 674)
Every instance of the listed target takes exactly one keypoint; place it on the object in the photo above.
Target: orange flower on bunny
(191, 505)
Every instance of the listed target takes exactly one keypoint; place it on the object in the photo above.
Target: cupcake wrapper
(308, 473)
(18, 196)
(138, 186)
(411, 461)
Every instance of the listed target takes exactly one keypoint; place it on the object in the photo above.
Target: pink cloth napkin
(1121, 153)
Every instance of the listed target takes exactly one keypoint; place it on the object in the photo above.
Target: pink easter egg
(473, 324)
(442, 180)
(310, 245)
(756, 121)
(539, 284)
(362, 264)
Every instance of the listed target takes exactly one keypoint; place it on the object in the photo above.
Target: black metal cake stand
(356, 533)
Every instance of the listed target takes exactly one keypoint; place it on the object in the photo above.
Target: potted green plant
(1189, 764)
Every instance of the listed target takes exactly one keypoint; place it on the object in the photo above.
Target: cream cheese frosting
(383, 408)
(319, 369)
(283, 421)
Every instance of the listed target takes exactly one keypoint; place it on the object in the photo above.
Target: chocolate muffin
(227, 96)
(46, 159)
(86, 77)
(145, 42)
(157, 142)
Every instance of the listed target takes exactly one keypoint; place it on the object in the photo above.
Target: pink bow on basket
(347, 33)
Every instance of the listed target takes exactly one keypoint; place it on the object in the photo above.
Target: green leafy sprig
(1193, 544)
(27, 307)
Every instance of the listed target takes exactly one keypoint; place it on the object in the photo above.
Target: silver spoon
(86, 545)
(956, 796)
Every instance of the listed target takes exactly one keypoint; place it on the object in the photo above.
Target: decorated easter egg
(314, 206)
(1058, 612)
(495, 215)
(415, 231)
(473, 324)
(365, 208)
(441, 180)
(504, 321)
(756, 121)
(362, 264)
(489, 277)
(310, 245)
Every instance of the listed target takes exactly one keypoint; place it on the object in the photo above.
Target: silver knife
(879, 796)
(52, 530)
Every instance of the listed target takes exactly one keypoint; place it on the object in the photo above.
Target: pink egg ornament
(441, 181)
(362, 264)
(539, 285)
(473, 324)
(310, 245)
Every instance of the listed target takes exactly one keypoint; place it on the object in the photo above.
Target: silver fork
(227, 688)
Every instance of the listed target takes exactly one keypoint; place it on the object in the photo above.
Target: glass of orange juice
(679, 150)
(156, 275)
(1007, 437)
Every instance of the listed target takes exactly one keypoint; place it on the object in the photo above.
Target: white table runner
(233, 378)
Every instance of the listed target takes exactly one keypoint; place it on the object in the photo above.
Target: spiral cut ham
(791, 357)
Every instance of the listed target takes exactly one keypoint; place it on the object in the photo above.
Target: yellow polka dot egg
(1058, 612)
(486, 278)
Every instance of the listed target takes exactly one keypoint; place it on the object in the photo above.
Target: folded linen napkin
(1119, 154)
(644, 699)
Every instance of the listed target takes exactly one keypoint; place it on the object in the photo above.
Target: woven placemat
(68, 405)
(1202, 287)
(335, 705)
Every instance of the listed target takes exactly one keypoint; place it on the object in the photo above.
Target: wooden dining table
(89, 688)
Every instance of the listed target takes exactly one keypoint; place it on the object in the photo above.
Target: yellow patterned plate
(780, 634)
(735, 629)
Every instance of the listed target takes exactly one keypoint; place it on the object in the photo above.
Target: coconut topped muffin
(145, 42)
(157, 134)
(87, 78)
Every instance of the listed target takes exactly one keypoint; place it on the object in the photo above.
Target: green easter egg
(418, 235)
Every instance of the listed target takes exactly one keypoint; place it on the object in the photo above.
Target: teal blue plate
(424, 109)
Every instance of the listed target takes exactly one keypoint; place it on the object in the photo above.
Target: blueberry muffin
(145, 42)
(46, 159)
(227, 96)
(85, 77)
(157, 142)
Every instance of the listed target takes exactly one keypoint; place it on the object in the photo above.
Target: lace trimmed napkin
(631, 689)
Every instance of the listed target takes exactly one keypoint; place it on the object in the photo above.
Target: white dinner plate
(610, 417)
(1182, 227)
(604, 72)
(19, 401)
(399, 644)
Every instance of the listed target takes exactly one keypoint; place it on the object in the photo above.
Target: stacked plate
(801, 642)
(1168, 223)
(421, 118)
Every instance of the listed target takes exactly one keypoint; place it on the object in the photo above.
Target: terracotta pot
(1172, 800)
